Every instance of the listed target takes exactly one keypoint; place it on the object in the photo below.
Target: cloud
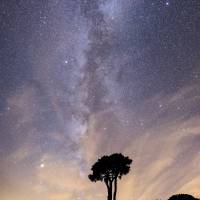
(63, 180)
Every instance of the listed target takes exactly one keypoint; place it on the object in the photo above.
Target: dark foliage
(110, 167)
(182, 197)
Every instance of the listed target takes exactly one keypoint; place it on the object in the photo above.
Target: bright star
(42, 165)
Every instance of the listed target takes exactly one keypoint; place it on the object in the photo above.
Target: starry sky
(83, 78)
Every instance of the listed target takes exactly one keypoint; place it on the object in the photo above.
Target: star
(141, 124)
(167, 3)
(42, 165)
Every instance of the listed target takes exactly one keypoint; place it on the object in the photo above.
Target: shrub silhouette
(109, 169)
(182, 197)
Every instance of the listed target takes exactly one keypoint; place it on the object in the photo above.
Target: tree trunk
(115, 189)
(109, 189)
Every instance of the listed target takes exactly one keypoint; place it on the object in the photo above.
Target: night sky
(83, 78)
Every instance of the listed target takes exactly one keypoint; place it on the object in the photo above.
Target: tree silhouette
(109, 169)
(182, 197)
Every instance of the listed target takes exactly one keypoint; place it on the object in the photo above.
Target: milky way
(81, 78)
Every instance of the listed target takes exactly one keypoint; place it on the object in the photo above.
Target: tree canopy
(182, 197)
